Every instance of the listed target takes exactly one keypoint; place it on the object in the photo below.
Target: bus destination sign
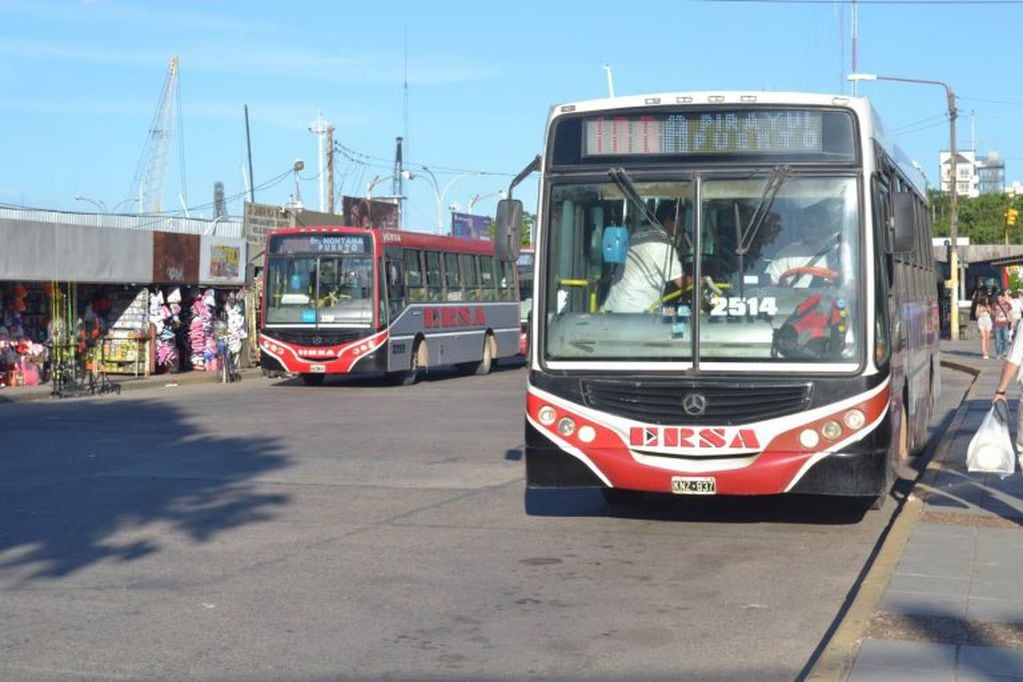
(320, 243)
(702, 133)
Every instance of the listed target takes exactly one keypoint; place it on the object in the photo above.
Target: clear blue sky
(80, 82)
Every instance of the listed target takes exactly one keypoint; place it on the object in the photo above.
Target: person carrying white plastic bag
(990, 449)
(1011, 370)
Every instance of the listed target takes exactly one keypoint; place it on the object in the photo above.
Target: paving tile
(996, 571)
(1009, 590)
(972, 676)
(903, 655)
(923, 604)
(957, 587)
(996, 610)
(869, 673)
(945, 567)
(991, 660)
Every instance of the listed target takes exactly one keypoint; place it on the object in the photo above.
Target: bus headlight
(566, 426)
(587, 434)
(808, 438)
(546, 415)
(854, 419)
(831, 430)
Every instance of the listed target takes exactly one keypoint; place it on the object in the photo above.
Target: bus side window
(415, 285)
(487, 279)
(454, 289)
(434, 280)
(467, 262)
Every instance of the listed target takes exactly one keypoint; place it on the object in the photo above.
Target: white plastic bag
(990, 450)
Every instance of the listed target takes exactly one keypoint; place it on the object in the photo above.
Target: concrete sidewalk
(12, 394)
(951, 607)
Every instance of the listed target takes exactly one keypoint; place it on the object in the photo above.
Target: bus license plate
(694, 485)
(318, 368)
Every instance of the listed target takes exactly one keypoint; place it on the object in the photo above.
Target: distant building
(976, 174)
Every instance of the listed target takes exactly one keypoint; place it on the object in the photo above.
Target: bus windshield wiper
(625, 184)
(763, 209)
(628, 188)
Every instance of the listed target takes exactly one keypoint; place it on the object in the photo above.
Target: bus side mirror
(508, 230)
(904, 217)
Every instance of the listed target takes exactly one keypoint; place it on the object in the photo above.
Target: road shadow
(82, 481)
(791, 508)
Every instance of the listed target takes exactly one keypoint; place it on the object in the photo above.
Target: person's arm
(1010, 368)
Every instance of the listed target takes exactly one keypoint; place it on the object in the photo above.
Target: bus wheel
(620, 497)
(312, 379)
(485, 364)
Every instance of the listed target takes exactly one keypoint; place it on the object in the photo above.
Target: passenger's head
(666, 213)
(819, 221)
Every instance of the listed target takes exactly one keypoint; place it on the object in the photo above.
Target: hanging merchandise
(199, 329)
(165, 324)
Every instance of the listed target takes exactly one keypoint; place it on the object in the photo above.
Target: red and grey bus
(343, 300)
(755, 376)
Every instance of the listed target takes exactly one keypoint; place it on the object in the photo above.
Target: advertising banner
(470, 226)
(360, 212)
(222, 260)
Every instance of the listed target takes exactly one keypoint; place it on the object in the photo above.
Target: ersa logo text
(462, 316)
(711, 438)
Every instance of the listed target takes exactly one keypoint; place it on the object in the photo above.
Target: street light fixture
(438, 192)
(98, 204)
(477, 198)
(953, 218)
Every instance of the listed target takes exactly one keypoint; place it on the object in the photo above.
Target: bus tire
(621, 497)
(312, 379)
(482, 366)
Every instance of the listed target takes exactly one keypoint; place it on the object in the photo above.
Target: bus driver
(651, 263)
(809, 259)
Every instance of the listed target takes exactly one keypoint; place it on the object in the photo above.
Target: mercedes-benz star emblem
(694, 404)
(317, 340)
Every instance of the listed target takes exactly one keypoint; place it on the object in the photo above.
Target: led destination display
(785, 131)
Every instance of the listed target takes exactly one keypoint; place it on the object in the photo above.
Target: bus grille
(319, 337)
(660, 401)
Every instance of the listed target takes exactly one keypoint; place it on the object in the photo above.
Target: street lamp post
(98, 204)
(438, 192)
(953, 218)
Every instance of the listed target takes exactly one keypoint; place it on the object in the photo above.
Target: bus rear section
(349, 300)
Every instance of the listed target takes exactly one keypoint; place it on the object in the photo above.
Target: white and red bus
(342, 300)
(759, 375)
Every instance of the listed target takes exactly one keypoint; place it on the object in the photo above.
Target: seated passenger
(809, 259)
(650, 264)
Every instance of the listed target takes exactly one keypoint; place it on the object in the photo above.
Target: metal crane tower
(151, 174)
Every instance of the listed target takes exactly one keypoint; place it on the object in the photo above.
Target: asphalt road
(268, 530)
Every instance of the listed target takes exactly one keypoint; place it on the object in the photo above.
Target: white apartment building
(976, 174)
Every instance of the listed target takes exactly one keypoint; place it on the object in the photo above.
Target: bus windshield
(766, 270)
(321, 290)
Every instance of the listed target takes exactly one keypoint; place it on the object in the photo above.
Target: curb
(836, 660)
(22, 395)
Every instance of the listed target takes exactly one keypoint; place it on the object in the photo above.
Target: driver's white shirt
(651, 263)
(796, 254)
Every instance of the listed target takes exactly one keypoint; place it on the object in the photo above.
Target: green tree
(982, 218)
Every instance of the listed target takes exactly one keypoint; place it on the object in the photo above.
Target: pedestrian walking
(1015, 313)
(1000, 321)
(984, 325)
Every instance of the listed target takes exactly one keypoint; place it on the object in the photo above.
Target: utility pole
(248, 145)
(953, 217)
(330, 169)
